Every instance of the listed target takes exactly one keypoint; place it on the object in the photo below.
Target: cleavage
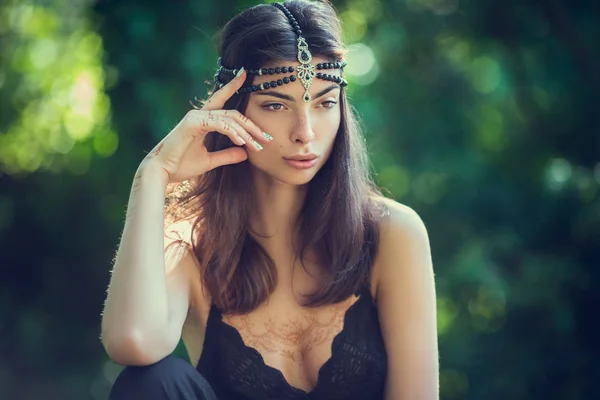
(294, 340)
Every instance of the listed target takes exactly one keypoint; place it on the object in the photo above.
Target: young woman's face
(298, 128)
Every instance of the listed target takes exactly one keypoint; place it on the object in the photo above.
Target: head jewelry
(305, 72)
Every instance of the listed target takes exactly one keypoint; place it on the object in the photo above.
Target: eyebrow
(290, 98)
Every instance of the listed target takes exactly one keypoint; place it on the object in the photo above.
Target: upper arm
(406, 303)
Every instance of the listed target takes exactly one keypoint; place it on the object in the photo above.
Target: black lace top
(355, 371)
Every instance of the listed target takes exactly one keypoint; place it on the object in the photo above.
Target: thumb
(232, 155)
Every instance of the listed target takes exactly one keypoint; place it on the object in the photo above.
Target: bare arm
(149, 292)
(407, 307)
(145, 308)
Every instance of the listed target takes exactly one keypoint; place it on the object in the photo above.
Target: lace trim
(335, 343)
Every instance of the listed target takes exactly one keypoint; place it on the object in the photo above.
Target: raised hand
(182, 155)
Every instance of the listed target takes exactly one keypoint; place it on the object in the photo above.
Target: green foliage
(482, 116)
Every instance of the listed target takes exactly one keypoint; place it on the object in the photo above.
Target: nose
(302, 131)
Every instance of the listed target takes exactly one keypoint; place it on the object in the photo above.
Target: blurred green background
(483, 116)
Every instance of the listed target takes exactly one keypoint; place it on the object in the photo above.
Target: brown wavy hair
(339, 220)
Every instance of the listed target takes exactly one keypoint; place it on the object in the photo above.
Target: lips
(303, 161)
(301, 157)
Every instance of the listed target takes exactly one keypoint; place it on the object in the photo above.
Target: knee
(152, 380)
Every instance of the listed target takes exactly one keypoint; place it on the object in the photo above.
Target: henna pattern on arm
(156, 151)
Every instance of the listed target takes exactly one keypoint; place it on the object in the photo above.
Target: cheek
(330, 125)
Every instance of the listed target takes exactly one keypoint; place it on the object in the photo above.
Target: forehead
(295, 89)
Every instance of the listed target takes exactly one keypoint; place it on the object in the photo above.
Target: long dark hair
(339, 220)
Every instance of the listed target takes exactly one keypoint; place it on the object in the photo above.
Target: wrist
(149, 172)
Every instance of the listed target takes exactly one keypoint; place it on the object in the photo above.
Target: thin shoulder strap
(214, 311)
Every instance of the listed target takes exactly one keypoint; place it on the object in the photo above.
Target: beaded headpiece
(305, 72)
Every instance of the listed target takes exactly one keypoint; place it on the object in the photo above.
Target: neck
(277, 207)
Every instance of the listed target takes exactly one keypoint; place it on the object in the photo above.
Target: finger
(201, 123)
(243, 134)
(218, 99)
(247, 124)
(232, 155)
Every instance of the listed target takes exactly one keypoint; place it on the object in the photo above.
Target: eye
(329, 104)
(273, 107)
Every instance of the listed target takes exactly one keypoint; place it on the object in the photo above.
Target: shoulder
(180, 258)
(400, 219)
(179, 232)
(403, 242)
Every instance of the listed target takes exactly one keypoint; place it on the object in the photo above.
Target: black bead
(290, 69)
(273, 84)
(265, 85)
(293, 78)
(299, 32)
(286, 80)
(279, 82)
(271, 71)
(264, 71)
(319, 75)
(277, 70)
(284, 70)
(319, 66)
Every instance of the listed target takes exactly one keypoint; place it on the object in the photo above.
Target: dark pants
(169, 379)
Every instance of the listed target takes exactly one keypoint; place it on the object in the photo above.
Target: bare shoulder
(179, 232)
(403, 236)
(400, 218)
(181, 259)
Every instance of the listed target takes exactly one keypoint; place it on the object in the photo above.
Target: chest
(280, 352)
(294, 340)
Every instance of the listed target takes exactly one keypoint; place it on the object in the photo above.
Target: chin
(294, 178)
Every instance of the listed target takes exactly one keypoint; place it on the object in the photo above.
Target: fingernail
(239, 73)
(240, 140)
(269, 137)
(257, 145)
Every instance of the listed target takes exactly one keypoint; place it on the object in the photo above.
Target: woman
(283, 269)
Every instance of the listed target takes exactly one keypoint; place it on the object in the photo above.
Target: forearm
(137, 302)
